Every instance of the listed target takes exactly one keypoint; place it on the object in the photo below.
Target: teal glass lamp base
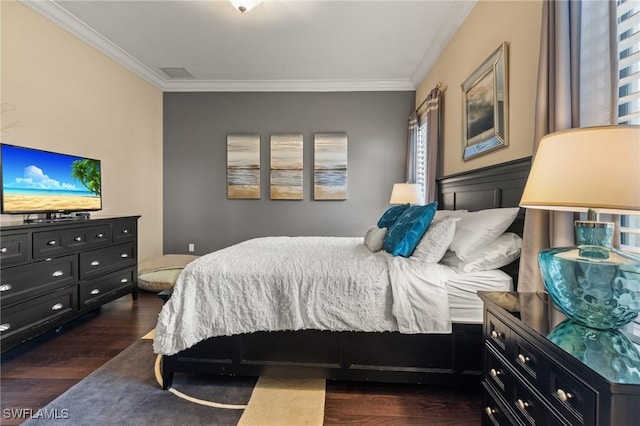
(593, 284)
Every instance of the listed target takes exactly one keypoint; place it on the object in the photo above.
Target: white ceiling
(280, 45)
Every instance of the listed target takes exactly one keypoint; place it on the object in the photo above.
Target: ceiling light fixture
(245, 5)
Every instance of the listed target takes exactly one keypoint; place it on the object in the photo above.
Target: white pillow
(436, 240)
(500, 252)
(374, 238)
(477, 229)
(443, 214)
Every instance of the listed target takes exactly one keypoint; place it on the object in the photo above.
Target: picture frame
(243, 166)
(485, 106)
(286, 173)
(330, 166)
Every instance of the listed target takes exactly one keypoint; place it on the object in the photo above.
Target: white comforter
(294, 283)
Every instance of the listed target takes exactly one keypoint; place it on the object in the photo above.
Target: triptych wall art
(286, 166)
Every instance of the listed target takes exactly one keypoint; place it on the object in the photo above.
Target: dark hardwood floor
(36, 372)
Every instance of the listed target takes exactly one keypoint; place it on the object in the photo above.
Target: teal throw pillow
(405, 234)
(391, 215)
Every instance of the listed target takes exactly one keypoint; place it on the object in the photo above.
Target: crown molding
(53, 12)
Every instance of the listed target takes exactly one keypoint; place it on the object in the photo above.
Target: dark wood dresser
(540, 369)
(53, 272)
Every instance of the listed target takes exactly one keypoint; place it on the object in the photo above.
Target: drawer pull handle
(124, 280)
(78, 239)
(490, 411)
(563, 396)
(124, 255)
(495, 373)
(125, 231)
(95, 263)
(5, 287)
(497, 335)
(100, 235)
(57, 274)
(4, 250)
(523, 359)
(57, 307)
(5, 326)
(51, 243)
(95, 291)
(522, 404)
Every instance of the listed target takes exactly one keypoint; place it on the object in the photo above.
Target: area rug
(126, 391)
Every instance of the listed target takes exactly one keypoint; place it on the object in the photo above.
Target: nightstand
(540, 369)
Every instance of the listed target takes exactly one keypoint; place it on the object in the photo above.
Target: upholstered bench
(160, 273)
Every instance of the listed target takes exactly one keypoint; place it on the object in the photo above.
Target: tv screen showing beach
(41, 181)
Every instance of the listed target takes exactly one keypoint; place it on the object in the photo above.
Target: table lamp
(406, 193)
(594, 170)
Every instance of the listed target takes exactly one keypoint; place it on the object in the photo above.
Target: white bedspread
(294, 283)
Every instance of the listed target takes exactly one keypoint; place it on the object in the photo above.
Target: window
(629, 95)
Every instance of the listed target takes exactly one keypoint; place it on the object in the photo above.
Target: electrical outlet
(192, 247)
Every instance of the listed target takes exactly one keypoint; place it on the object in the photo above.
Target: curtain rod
(438, 86)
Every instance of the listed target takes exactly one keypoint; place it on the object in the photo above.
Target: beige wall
(488, 25)
(61, 94)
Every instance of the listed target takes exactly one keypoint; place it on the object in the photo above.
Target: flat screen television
(36, 181)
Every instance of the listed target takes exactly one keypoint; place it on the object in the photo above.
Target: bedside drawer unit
(27, 281)
(572, 398)
(55, 243)
(124, 231)
(27, 316)
(97, 291)
(14, 249)
(97, 262)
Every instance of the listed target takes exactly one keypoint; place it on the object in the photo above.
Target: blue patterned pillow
(405, 234)
(391, 215)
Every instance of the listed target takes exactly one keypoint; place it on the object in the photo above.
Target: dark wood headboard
(491, 187)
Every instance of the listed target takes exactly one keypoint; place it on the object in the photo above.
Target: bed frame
(364, 356)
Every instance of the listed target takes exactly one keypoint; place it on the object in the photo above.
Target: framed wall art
(243, 166)
(330, 166)
(286, 177)
(485, 106)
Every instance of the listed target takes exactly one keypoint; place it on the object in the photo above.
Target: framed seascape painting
(243, 166)
(485, 106)
(330, 166)
(286, 166)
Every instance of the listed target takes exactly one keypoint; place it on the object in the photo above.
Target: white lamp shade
(245, 5)
(588, 168)
(404, 193)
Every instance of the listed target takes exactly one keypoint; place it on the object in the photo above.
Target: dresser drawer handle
(124, 280)
(495, 373)
(523, 359)
(490, 411)
(51, 243)
(95, 291)
(5, 326)
(57, 307)
(5, 287)
(57, 274)
(78, 239)
(563, 396)
(124, 255)
(4, 250)
(497, 335)
(100, 235)
(522, 404)
(125, 231)
(95, 263)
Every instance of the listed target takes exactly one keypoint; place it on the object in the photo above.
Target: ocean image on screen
(36, 181)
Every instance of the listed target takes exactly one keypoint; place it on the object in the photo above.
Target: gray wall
(196, 208)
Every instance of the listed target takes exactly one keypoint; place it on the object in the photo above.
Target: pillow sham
(477, 229)
(374, 238)
(405, 234)
(392, 214)
(443, 214)
(435, 242)
(500, 252)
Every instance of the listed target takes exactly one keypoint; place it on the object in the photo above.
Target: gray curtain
(412, 147)
(577, 87)
(431, 116)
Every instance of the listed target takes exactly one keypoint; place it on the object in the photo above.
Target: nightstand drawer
(572, 398)
(527, 359)
(493, 413)
(529, 409)
(14, 249)
(97, 262)
(26, 281)
(497, 373)
(496, 333)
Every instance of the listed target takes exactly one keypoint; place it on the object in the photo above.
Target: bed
(451, 352)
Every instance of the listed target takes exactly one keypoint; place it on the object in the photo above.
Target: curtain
(413, 143)
(577, 87)
(430, 119)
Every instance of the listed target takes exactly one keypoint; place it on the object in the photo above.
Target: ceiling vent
(176, 72)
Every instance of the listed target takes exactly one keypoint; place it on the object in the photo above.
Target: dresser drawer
(528, 360)
(96, 291)
(496, 333)
(498, 374)
(98, 262)
(38, 312)
(572, 398)
(26, 281)
(125, 231)
(493, 412)
(530, 409)
(14, 249)
(55, 243)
